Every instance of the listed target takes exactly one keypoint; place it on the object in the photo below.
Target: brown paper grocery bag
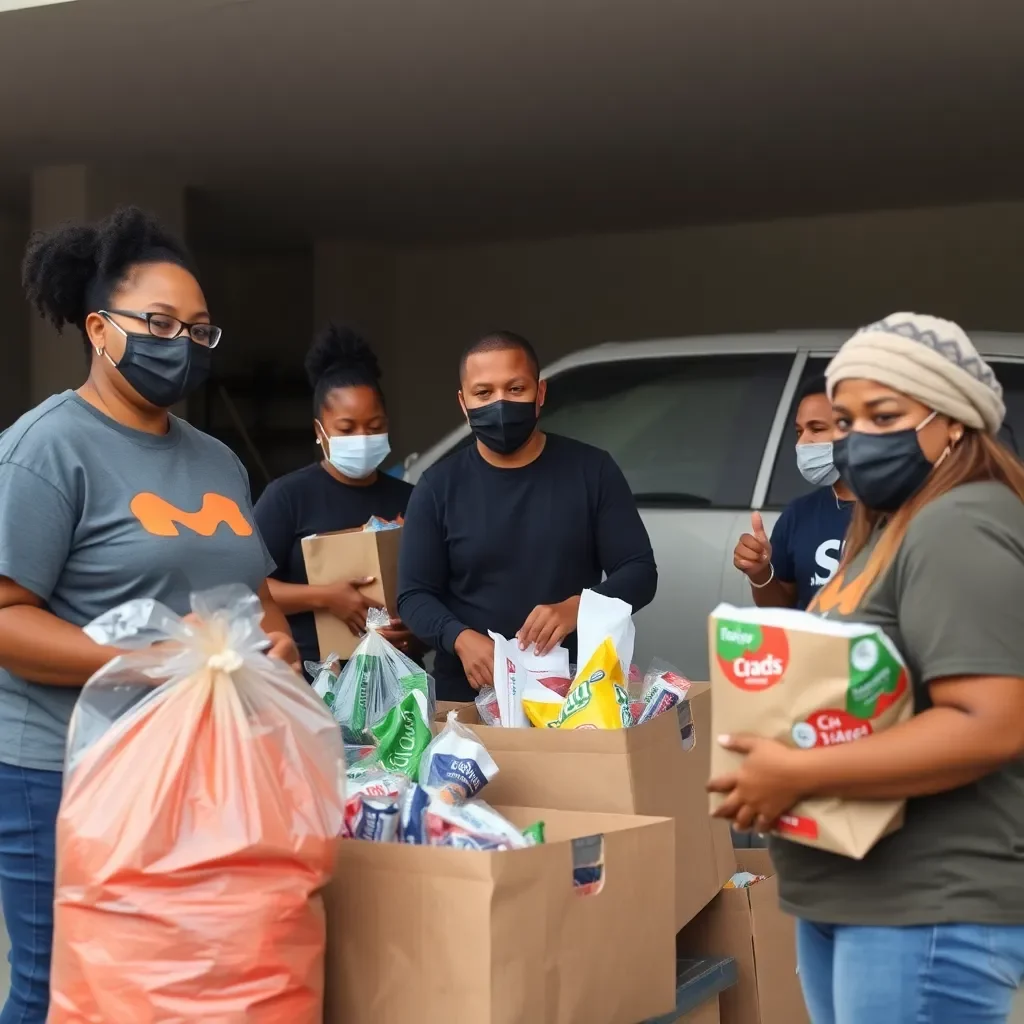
(808, 681)
(350, 555)
(430, 935)
(658, 768)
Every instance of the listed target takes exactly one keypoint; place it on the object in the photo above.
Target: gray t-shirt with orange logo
(953, 603)
(94, 514)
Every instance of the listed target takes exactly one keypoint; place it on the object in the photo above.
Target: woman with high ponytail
(342, 490)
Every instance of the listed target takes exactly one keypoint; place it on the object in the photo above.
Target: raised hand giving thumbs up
(753, 554)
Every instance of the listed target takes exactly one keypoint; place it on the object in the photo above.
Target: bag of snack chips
(201, 809)
(806, 682)
(373, 683)
(598, 698)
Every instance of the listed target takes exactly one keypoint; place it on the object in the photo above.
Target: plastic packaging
(541, 704)
(202, 804)
(456, 765)
(664, 688)
(325, 676)
(515, 670)
(373, 683)
(375, 524)
(602, 618)
(598, 698)
(487, 706)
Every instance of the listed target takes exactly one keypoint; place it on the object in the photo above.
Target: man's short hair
(500, 341)
(811, 386)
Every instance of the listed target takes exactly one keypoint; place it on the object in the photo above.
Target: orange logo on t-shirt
(840, 595)
(162, 519)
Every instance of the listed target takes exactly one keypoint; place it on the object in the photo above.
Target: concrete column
(80, 193)
(14, 377)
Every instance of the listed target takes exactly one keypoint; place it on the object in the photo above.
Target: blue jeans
(29, 801)
(935, 974)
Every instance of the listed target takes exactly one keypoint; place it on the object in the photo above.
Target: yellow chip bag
(598, 698)
(542, 713)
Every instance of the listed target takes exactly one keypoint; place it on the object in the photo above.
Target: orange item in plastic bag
(198, 824)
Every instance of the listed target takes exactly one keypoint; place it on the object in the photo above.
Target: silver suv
(702, 428)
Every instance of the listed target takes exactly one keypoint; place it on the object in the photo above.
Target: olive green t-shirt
(953, 603)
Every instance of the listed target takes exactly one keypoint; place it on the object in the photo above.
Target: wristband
(761, 586)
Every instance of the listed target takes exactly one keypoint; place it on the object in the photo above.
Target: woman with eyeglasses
(105, 497)
(341, 491)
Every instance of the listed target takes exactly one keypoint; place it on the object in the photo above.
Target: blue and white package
(474, 825)
(412, 826)
(376, 821)
(456, 765)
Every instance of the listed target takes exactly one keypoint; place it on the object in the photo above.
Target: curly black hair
(73, 270)
(340, 358)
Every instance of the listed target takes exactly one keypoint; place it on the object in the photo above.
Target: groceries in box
(530, 689)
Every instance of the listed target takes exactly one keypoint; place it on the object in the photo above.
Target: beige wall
(14, 318)
(965, 262)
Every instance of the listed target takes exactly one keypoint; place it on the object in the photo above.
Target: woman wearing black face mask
(504, 535)
(105, 497)
(930, 925)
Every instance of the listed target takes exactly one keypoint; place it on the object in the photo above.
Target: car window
(687, 431)
(787, 483)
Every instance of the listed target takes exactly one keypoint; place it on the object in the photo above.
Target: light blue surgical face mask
(357, 455)
(815, 463)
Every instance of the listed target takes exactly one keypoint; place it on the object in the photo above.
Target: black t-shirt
(484, 546)
(309, 501)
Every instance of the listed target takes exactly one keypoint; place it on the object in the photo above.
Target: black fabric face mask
(503, 427)
(164, 371)
(882, 470)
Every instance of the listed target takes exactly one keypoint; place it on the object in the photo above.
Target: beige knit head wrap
(926, 358)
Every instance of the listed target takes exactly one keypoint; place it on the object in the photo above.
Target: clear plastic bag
(203, 798)
(487, 706)
(325, 675)
(375, 681)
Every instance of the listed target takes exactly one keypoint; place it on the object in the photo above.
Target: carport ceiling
(442, 118)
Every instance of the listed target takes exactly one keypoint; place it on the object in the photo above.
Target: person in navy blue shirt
(803, 552)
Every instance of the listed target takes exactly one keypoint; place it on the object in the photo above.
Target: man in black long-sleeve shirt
(505, 534)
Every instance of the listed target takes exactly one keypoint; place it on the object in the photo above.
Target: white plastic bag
(513, 668)
(601, 618)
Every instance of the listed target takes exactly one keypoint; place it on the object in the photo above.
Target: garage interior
(579, 172)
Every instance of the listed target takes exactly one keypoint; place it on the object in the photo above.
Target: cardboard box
(352, 555)
(748, 925)
(466, 937)
(659, 768)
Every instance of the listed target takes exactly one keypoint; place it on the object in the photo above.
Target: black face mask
(164, 371)
(503, 426)
(882, 470)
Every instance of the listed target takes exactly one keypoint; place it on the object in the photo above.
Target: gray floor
(1016, 1018)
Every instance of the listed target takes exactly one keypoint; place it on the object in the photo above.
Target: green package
(364, 669)
(403, 735)
(535, 833)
